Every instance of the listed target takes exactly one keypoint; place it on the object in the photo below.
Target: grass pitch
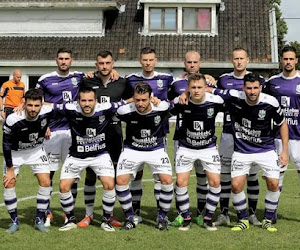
(145, 236)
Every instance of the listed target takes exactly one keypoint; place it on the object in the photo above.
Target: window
(163, 19)
(33, 81)
(180, 17)
(196, 19)
(3, 79)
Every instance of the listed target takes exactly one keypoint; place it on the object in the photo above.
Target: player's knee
(45, 183)
(64, 187)
(109, 185)
(214, 183)
(181, 182)
(166, 179)
(121, 181)
(11, 184)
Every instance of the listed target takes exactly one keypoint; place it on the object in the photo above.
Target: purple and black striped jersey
(230, 81)
(254, 127)
(144, 132)
(59, 89)
(287, 91)
(195, 125)
(88, 132)
(20, 133)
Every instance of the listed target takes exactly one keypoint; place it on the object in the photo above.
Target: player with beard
(107, 91)
(286, 88)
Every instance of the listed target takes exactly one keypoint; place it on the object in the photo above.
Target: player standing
(256, 118)
(235, 80)
(144, 143)
(192, 65)
(89, 122)
(23, 137)
(107, 91)
(160, 84)
(195, 132)
(286, 88)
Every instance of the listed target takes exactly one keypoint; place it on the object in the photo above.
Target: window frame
(163, 19)
(213, 18)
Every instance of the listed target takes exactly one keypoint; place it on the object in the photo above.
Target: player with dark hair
(23, 137)
(235, 80)
(286, 88)
(160, 84)
(89, 122)
(107, 91)
(256, 118)
(144, 144)
(195, 132)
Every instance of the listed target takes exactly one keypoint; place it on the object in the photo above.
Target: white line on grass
(79, 189)
(99, 186)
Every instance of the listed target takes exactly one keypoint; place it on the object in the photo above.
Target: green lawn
(145, 236)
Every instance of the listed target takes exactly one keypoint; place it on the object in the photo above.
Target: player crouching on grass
(255, 118)
(144, 143)
(23, 137)
(195, 132)
(88, 122)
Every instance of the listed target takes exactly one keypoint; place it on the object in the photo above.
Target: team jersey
(287, 92)
(144, 132)
(112, 91)
(254, 127)
(178, 86)
(159, 82)
(13, 93)
(88, 132)
(60, 89)
(231, 81)
(195, 125)
(20, 133)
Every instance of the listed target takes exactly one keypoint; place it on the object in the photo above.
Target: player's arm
(6, 144)
(2, 108)
(284, 133)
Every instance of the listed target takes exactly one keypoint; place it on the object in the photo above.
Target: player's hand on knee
(9, 177)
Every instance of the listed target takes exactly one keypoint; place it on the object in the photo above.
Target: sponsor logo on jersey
(90, 132)
(145, 133)
(246, 123)
(74, 81)
(198, 125)
(210, 112)
(101, 118)
(285, 101)
(261, 114)
(67, 96)
(104, 99)
(298, 89)
(43, 123)
(157, 120)
(159, 83)
(33, 136)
